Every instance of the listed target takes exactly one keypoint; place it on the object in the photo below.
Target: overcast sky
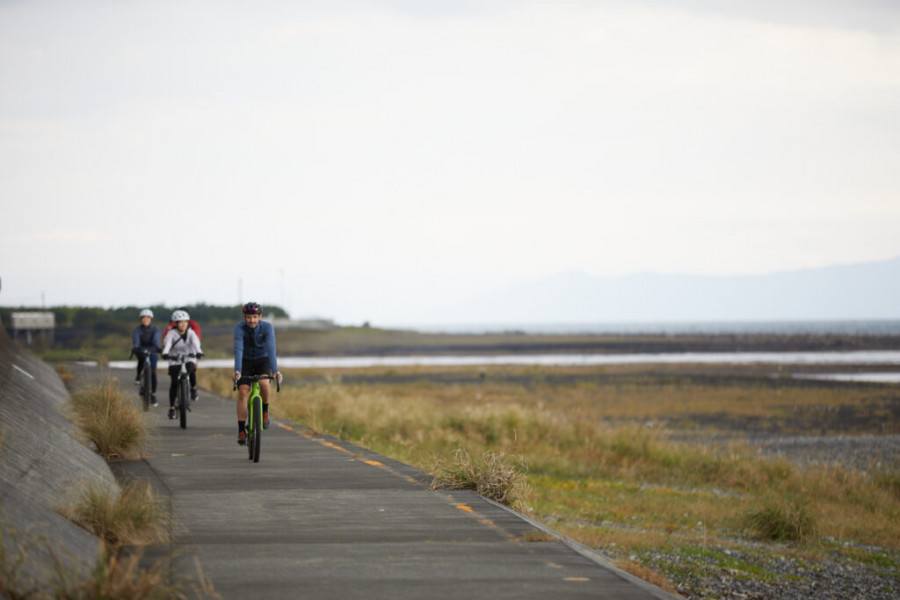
(368, 159)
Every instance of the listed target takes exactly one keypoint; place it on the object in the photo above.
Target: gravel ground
(749, 570)
(860, 452)
(731, 573)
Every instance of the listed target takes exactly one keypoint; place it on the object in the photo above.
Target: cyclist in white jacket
(178, 347)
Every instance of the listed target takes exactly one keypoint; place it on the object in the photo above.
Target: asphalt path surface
(321, 518)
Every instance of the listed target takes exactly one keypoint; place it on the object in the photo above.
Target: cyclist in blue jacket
(146, 338)
(254, 354)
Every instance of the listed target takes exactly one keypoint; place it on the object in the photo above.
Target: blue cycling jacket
(146, 337)
(258, 342)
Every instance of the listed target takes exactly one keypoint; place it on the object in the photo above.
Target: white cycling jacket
(178, 346)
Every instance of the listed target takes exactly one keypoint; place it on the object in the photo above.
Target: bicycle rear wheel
(256, 434)
(146, 386)
(184, 396)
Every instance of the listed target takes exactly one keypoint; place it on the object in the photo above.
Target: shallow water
(860, 357)
(865, 377)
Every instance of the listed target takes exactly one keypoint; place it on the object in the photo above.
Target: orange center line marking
(335, 446)
(374, 463)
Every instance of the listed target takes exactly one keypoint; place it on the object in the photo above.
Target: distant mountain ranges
(856, 292)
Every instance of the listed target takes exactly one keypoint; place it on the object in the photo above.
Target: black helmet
(252, 308)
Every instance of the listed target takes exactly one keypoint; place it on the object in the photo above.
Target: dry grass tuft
(113, 576)
(134, 515)
(122, 578)
(784, 520)
(65, 373)
(489, 475)
(115, 427)
(14, 552)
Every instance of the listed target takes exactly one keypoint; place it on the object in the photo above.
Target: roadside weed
(115, 427)
(134, 515)
(490, 475)
(784, 520)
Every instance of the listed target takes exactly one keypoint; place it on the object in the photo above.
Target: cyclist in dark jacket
(146, 337)
(254, 354)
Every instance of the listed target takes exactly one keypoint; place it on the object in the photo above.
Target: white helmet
(181, 315)
(147, 313)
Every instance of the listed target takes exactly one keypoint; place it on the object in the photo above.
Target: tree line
(110, 321)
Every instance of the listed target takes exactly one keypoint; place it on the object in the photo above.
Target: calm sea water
(837, 359)
(850, 327)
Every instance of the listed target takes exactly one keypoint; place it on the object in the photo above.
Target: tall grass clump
(133, 515)
(115, 427)
(784, 520)
(116, 577)
(490, 475)
(14, 552)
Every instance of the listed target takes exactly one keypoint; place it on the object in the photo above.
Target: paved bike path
(320, 518)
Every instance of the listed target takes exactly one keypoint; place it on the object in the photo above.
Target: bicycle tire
(257, 428)
(249, 426)
(146, 386)
(184, 396)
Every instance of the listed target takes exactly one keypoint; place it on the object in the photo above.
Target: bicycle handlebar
(257, 378)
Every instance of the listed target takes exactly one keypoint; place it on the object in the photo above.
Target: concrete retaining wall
(42, 464)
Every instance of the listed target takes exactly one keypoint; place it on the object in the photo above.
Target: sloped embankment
(41, 464)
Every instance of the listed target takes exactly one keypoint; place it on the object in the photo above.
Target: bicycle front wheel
(256, 434)
(146, 386)
(184, 396)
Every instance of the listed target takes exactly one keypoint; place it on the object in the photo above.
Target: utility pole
(283, 305)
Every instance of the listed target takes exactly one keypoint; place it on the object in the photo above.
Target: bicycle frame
(146, 380)
(183, 399)
(254, 423)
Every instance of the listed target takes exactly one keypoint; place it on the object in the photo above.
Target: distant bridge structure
(312, 324)
(29, 326)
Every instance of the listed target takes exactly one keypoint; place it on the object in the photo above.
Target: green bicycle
(254, 424)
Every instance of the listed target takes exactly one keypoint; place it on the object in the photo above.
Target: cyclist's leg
(140, 365)
(263, 368)
(173, 388)
(192, 372)
(264, 393)
(192, 378)
(243, 394)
